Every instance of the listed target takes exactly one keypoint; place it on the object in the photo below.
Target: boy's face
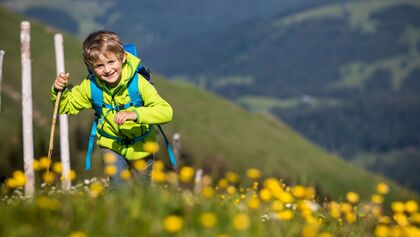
(108, 68)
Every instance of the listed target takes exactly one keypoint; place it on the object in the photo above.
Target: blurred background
(343, 74)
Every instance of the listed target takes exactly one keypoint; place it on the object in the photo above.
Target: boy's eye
(98, 66)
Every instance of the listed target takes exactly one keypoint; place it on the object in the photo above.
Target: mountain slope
(215, 133)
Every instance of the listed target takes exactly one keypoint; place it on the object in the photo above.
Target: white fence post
(1, 72)
(64, 122)
(176, 144)
(28, 143)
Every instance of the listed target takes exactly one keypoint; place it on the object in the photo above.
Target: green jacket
(155, 110)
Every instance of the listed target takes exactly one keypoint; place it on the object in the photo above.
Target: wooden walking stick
(54, 120)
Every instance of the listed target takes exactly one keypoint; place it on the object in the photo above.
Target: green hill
(216, 134)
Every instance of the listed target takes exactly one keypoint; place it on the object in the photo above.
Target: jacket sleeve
(155, 110)
(74, 100)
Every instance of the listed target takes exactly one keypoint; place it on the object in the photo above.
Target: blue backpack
(135, 100)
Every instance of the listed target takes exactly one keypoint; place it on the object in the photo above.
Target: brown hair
(101, 42)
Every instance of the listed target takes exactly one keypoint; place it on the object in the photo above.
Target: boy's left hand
(121, 117)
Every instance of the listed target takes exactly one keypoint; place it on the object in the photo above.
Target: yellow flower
(411, 206)
(11, 183)
(110, 170)
(77, 234)
(253, 173)
(207, 192)
(310, 193)
(299, 191)
(140, 165)
(232, 177)
(151, 147)
(351, 217)
(95, 189)
(285, 215)
(382, 188)
(36, 165)
(19, 177)
(265, 194)
(173, 223)
(285, 197)
(325, 234)
(231, 190)
(186, 174)
(352, 197)
(334, 209)
(401, 219)
(384, 220)
(277, 205)
(125, 174)
(44, 162)
(241, 222)
(310, 230)
(171, 177)
(346, 207)
(253, 203)
(376, 198)
(382, 231)
(57, 167)
(208, 220)
(415, 218)
(109, 158)
(158, 176)
(398, 206)
(222, 183)
(48, 177)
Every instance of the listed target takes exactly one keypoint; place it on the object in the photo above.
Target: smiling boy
(120, 132)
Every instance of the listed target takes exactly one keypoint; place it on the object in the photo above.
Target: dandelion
(265, 194)
(398, 206)
(171, 177)
(48, 177)
(254, 203)
(208, 220)
(110, 170)
(222, 183)
(401, 219)
(208, 192)
(44, 162)
(285, 215)
(310, 230)
(382, 231)
(232, 177)
(299, 191)
(325, 234)
(346, 207)
(253, 173)
(19, 177)
(36, 165)
(277, 205)
(47, 203)
(411, 206)
(241, 222)
(351, 217)
(310, 193)
(77, 234)
(376, 198)
(382, 188)
(110, 158)
(151, 147)
(352, 197)
(125, 174)
(158, 176)
(95, 189)
(186, 174)
(57, 167)
(140, 165)
(173, 223)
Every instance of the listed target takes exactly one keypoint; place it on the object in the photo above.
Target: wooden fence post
(1, 72)
(28, 143)
(64, 123)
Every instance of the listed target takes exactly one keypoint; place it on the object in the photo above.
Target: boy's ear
(124, 57)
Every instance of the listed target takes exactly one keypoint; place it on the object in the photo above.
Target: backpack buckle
(127, 142)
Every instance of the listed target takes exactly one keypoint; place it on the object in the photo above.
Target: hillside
(216, 134)
(346, 75)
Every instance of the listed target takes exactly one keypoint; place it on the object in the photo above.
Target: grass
(179, 205)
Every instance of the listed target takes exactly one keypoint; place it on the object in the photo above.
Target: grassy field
(187, 204)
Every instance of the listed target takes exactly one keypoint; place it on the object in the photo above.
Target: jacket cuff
(138, 116)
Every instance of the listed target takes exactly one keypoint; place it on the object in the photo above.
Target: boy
(120, 132)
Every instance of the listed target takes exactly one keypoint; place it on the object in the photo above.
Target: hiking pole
(54, 120)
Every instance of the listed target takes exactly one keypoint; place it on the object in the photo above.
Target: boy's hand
(121, 117)
(61, 81)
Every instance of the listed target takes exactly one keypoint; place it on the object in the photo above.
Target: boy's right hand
(61, 81)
